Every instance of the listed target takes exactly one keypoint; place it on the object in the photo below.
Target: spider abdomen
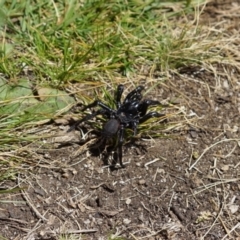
(110, 128)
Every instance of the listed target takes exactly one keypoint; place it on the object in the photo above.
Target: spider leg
(150, 115)
(143, 106)
(134, 95)
(86, 118)
(120, 143)
(119, 92)
(134, 127)
(105, 110)
(99, 103)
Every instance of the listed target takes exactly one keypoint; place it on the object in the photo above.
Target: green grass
(62, 42)
(50, 49)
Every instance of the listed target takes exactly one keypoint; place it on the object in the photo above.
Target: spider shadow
(102, 147)
(106, 148)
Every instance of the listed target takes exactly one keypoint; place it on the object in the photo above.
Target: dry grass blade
(211, 185)
(208, 148)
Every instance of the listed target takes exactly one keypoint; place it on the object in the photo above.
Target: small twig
(228, 234)
(230, 153)
(30, 204)
(104, 186)
(214, 222)
(97, 186)
(14, 220)
(237, 165)
(80, 231)
(27, 199)
(153, 161)
(170, 203)
(225, 227)
(147, 209)
(19, 228)
(208, 148)
(214, 184)
(155, 175)
(133, 236)
(141, 192)
(37, 225)
(214, 167)
(110, 213)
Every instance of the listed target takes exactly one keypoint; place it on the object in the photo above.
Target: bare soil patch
(184, 186)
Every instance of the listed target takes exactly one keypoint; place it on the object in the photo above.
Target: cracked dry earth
(184, 186)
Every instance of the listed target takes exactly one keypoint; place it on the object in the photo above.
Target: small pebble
(142, 181)
(39, 191)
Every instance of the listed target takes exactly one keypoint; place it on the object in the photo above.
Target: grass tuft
(50, 50)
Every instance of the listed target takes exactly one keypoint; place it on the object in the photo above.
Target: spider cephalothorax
(128, 114)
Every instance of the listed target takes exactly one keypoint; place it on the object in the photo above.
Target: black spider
(131, 112)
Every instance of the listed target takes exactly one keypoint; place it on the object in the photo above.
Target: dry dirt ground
(183, 186)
